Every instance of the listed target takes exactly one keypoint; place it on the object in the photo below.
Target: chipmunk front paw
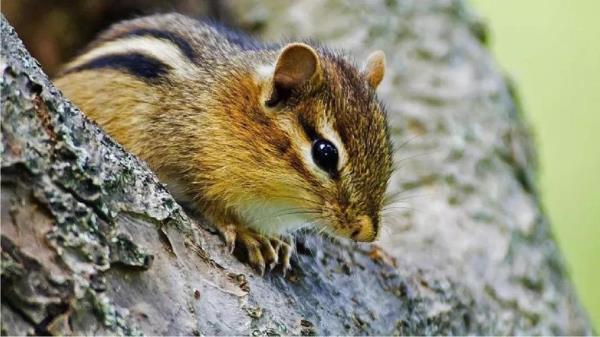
(262, 251)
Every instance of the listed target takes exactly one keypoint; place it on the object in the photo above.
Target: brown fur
(210, 137)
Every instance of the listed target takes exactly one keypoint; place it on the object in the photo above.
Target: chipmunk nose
(365, 229)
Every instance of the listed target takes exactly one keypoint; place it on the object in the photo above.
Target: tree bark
(92, 243)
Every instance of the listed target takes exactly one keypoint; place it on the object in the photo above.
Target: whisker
(395, 207)
(406, 142)
(388, 210)
(396, 165)
(391, 198)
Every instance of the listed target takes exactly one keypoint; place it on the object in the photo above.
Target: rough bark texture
(93, 244)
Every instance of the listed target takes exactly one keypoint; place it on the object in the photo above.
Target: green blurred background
(551, 48)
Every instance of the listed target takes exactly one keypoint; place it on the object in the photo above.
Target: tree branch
(92, 243)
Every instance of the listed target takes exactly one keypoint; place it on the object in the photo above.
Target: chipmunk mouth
(364, 229)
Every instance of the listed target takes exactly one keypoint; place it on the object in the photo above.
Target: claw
(269, 254)
(262, 251)
(229, 233)
(286, 253)
(252, 242)
(276, 244)
(256, 259)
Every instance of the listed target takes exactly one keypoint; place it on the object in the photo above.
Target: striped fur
(134, 63)
(189, 98)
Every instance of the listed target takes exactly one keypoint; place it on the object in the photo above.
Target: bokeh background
(550, 48)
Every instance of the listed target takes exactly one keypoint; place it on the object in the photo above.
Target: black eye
(325, 155)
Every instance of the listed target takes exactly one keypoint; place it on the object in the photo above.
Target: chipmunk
(262, 138)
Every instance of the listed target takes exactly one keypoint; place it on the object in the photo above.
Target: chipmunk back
(263, 139)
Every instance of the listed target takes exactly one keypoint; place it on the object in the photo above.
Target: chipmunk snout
(364, 229)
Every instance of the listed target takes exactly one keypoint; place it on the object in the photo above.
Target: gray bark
(92, 243)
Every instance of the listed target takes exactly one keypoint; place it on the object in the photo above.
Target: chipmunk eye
(325, 154)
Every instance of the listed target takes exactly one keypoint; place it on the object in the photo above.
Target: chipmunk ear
(375, 68)
(297, 64)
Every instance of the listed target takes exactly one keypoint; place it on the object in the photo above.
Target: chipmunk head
(339, 156)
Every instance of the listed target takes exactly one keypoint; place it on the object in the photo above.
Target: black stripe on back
(179, 41)
(136, 64)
